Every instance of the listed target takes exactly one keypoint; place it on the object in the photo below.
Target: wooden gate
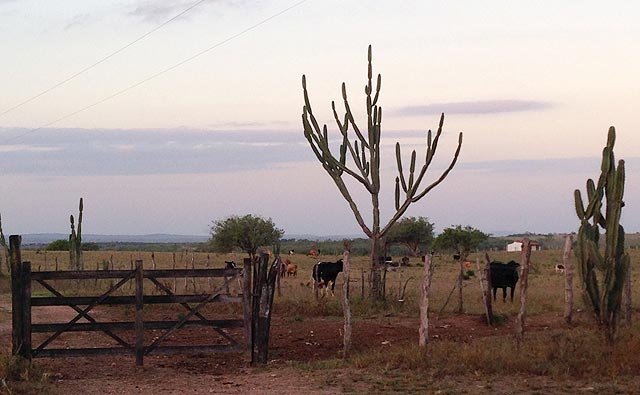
(23, 300)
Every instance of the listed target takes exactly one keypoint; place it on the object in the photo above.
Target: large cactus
(364, 163)
(603, 274)
(75, 242)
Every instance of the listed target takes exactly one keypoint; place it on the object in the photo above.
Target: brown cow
(314, 252)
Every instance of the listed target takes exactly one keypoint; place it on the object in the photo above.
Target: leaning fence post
(139, 324)
(15, 260)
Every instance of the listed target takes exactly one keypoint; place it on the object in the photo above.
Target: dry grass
(576, 353)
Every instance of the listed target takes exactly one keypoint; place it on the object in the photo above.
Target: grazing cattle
(292, 252)
(313, 253)
(325, 273)
(292, 269)
(504, 275)
(559, 268)
(230, 265)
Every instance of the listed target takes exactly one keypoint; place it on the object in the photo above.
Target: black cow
(230, 265)
(325, 272)
(504, 275)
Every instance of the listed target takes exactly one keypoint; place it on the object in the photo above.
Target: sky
(165, 115)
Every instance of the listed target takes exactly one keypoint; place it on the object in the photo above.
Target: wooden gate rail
(22, 278)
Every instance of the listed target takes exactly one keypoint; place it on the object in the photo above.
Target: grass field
(569, 354)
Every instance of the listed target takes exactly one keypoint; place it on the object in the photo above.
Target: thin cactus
(364, 152)
(75, 241)
(5, 248)
(603, 273)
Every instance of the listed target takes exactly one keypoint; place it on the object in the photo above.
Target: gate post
(17, 286)
(139, 323)
(246, 304)
(25, 349)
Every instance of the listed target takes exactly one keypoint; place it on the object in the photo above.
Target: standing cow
(504, 275)
(326, 272)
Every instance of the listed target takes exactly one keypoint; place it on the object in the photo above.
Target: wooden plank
(130, 325)
(101, 274)
(167, 350)
(81, 352)
(118, 300)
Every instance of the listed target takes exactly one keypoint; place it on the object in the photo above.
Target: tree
(603, 273)
(364, 165)
(412, 232)
(58, 245)
(248, 233)
(461, 240)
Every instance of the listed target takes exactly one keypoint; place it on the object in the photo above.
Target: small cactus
(603, 274)
(75, 242)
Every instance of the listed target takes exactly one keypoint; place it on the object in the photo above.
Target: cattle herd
(324, 274)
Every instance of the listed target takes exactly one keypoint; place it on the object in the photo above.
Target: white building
(517, 246)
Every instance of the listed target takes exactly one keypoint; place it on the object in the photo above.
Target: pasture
(464, 355)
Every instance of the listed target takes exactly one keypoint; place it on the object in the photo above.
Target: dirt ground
(293, 342)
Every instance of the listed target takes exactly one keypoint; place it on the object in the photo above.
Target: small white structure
(517, 246)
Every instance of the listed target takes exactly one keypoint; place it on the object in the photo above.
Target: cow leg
(512, 291)
(504, 294)
(495, 289)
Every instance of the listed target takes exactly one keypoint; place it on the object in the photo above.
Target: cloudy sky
(167, 114)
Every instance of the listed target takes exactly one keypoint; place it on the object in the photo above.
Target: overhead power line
(153, 76)
(84, 70)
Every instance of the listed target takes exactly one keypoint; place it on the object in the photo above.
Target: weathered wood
(17, 292)
(524, 285)
(118, 300)
(26, 310)
(165, 350)
(267, 292)
(191, 313)
(425, 289)
(130, 325)
(568, 280)
(460, 308)
(246, 304)
(139, 322)
(483, 274)
(84, 312)
(346, 304)
(79, 310)
(91, 274)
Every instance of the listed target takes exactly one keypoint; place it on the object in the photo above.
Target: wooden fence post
(484, 274)
(346, 306)
(524, 285)
(139, 323)
(568, 280)
(25, 349)
(246, 304)
(17, 307)
(425, 289)
(267, 282)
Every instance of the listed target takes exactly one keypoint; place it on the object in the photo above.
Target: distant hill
(46, 238)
